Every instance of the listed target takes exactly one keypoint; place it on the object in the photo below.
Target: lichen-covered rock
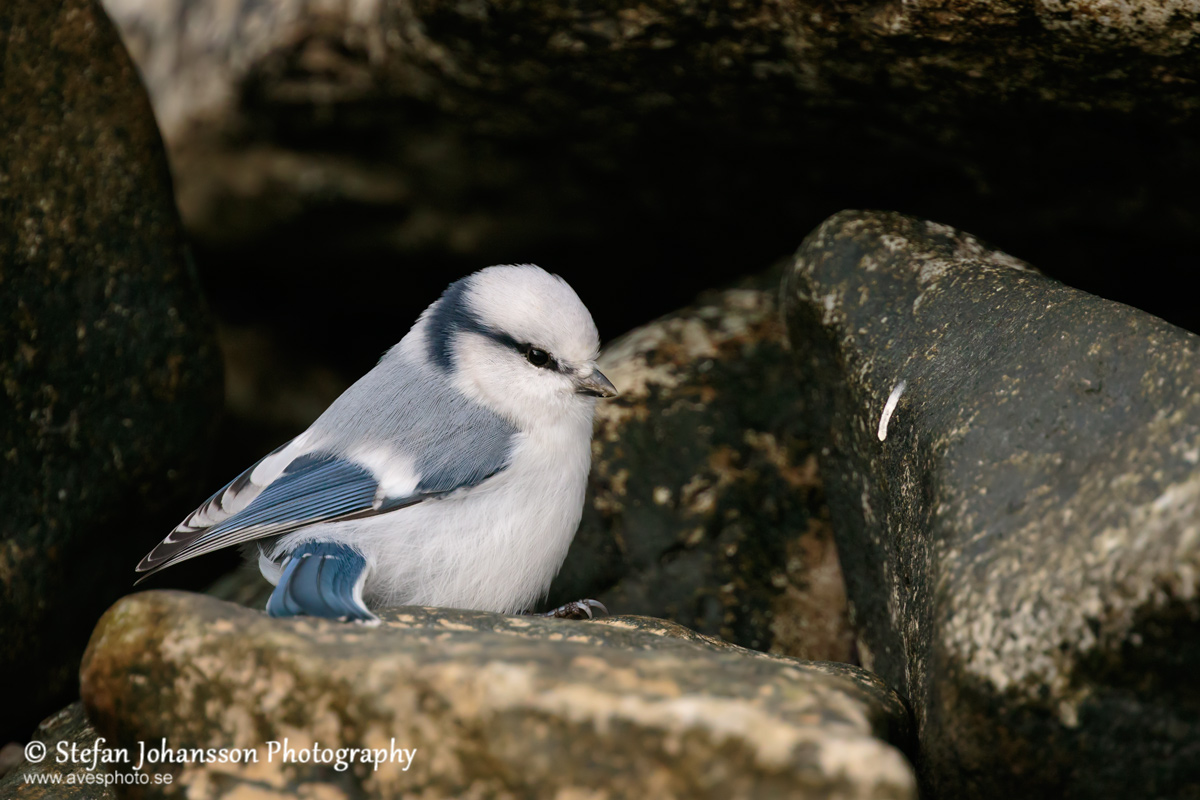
(704, 504)
(494, 706)
(110, 374)
(1021, 538)
(59, 776)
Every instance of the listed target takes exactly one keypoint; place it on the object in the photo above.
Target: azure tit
(451, 474)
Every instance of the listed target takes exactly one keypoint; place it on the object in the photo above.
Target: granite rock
(109, 368)
(1021, 538)
(704, 504)
(59, 776)
(495, 706)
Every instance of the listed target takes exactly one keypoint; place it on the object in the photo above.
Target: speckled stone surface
(75, 780)
(110, 375)
(497, 707)
(704, 504)
(1022, 547)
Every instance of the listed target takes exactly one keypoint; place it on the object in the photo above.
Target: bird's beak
(596, 385)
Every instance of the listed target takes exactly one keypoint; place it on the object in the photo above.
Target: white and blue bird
(452, 474)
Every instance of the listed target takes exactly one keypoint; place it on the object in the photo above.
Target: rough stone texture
(1022, 550)
(74, 779)
(110, 375)
(640, 136)
(704, 504)
(496, 706)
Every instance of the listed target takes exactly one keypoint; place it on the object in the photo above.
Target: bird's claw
(576, 609)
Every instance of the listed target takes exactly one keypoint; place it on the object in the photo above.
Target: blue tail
(319, 579)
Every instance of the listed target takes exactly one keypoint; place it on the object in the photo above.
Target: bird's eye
(539, 358)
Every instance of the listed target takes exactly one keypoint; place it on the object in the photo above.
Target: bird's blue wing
(321, 579)
(444, 471)
(271, 499)
(313, 488)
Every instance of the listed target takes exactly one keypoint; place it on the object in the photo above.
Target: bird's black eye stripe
(537, 356)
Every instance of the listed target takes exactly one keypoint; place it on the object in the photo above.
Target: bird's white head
(520, 341)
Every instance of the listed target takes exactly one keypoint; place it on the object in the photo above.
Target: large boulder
(704, 504)
(405, 139)
(109, 368)
(1012, 470)
(494, 707)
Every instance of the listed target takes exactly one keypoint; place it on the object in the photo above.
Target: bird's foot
(576, 609)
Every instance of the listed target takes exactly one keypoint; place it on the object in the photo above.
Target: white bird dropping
(888, 408)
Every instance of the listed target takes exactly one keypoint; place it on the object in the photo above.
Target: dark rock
(495, 706)
(11, 755)
(59, 776)
(107, 358)
(704, 504)
(404, 139)
(1022, 550)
